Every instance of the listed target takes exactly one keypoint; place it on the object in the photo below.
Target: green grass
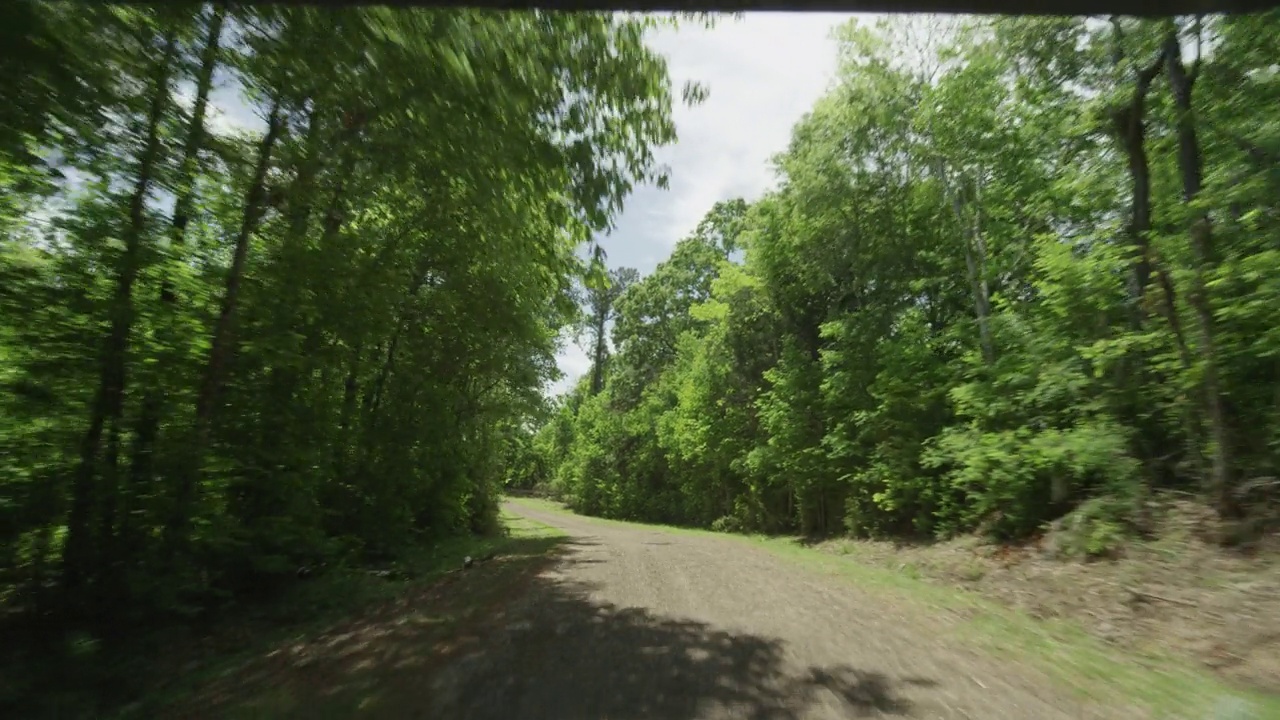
(1163, 687)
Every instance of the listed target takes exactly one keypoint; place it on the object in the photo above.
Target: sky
(764, 71)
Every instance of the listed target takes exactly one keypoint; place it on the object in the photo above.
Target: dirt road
(634, 623)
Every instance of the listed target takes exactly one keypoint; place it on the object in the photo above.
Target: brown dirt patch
(1180, 594)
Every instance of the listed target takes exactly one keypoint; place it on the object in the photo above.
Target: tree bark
(600, 352)
(148, 429)
(1130, 128)
(1191, 172)
(108, 403)
(223, 333)
(1130, 125)
(975, 264)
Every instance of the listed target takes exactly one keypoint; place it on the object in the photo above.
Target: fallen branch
(1140, 595)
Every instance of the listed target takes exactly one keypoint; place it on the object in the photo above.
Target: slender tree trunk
(600, 353)
(1190, 167)
(111, 500)
(984, 289)
(975, 264)
(223, 335)
(389, 362)
(350, 390)
(975, 259)
(341, 495)
(357, 404)
(1130, 125)
(283, 376)
(196, 128)
(1130, 128)
(303, 185)
(283, 382)
(384, 373)
(331, 227)
(108, 404)
(148, 429)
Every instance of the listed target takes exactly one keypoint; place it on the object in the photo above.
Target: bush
(727, 524)
(1098, 528)
(1012, 482)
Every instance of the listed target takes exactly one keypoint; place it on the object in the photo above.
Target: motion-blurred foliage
(281, 286)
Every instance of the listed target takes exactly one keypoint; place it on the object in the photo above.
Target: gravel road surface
(632, 622)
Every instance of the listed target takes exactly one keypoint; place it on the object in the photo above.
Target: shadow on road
(508, 640)
(562, 655)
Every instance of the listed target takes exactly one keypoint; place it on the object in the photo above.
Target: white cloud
(764, 72)
(574, 363)
(230, 114)
(228, 111)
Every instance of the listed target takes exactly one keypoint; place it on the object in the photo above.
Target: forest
(1012, 269)
(231, 352)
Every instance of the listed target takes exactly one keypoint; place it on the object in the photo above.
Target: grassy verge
(1164, 687)
(318, 652)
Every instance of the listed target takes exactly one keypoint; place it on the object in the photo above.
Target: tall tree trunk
(350, 390)
(1191, 170)
(1130, 128)
(196, 127)
(374, 401)
(313, 341)
(1130, 124)
(602, 301)
(147, 432)
(282, 377)
(340, 493)
(975, 260)
(284, 381)
(600, 353)
(984, 288)
(108, 404)
(302, 187)
(223, 336)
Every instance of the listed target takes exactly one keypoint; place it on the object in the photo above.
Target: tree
(236, 350)
(1007, 277)
(601, 299)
